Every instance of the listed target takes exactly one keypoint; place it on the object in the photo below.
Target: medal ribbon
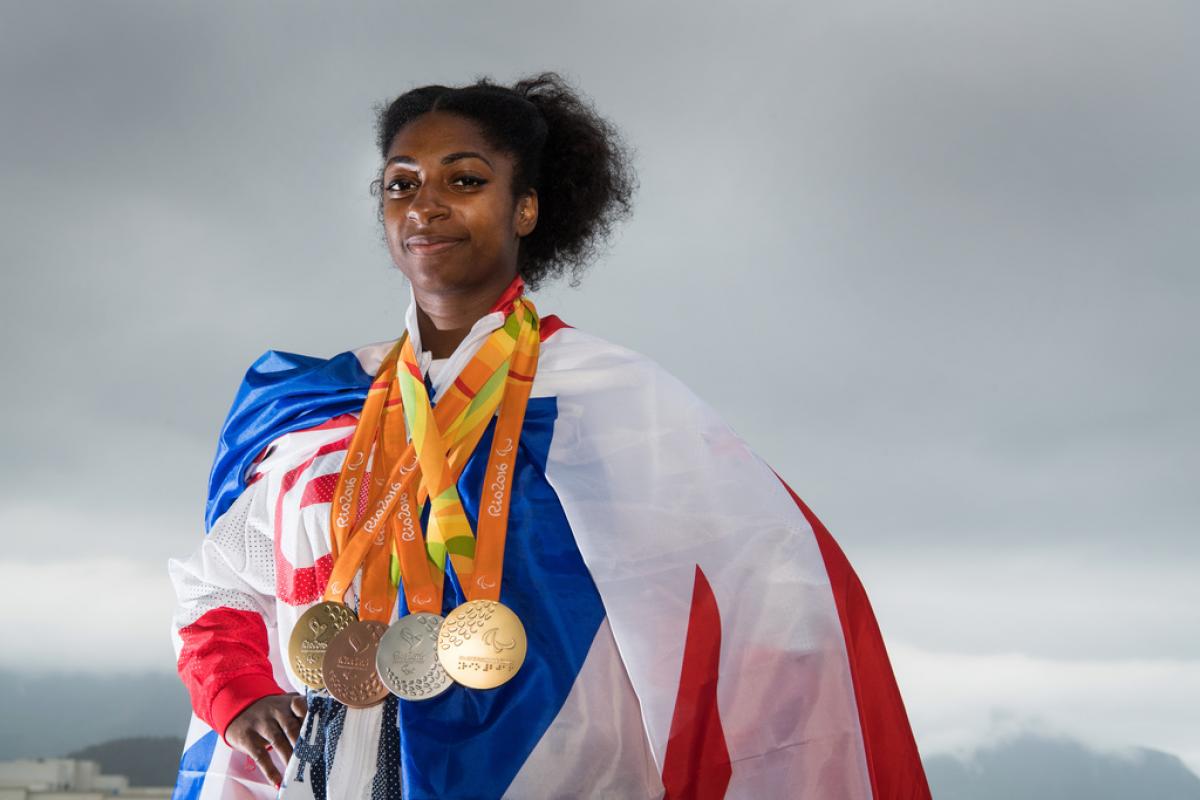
(464, 413)
(413, 560)
(498, 479)
(378, 594)
(345, 496)
(449, 529)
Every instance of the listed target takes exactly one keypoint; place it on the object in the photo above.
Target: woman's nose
(427, 205)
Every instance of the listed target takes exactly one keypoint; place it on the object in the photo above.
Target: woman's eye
(398, 185)
(469, 180)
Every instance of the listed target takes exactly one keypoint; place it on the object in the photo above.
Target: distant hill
(146, 761)
(1033, 767)
(51, 714)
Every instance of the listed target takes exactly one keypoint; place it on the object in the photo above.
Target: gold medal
(311, 636)
(349, 668)
(481, 644)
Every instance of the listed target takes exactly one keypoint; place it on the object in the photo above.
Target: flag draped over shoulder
(695, 632)
(281, 393)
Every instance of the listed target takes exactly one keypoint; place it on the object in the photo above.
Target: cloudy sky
(942, 259)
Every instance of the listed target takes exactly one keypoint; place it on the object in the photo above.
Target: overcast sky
(937, 263)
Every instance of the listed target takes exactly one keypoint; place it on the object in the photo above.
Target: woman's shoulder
(370, 356)
(567, 348)
(578, 363)
(287, 405)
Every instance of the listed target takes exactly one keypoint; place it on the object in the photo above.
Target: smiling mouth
(429, 248)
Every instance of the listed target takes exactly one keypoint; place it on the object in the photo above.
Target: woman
(688, 628)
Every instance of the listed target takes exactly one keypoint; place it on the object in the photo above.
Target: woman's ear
(526, 213)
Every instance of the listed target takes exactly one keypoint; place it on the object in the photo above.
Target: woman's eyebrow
(409, 161)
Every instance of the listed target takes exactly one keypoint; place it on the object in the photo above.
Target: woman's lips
(427, 246)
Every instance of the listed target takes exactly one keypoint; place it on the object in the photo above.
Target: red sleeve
(225, 664)
(893, 761)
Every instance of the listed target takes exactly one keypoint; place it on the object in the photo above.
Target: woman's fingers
(286, 722)
(272, 722)
(261, 753)
(292, 718)
(291, 725)
(279, 739)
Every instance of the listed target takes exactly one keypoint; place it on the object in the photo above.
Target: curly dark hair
(574, 159)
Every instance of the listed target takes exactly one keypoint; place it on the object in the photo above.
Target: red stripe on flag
(696, 765)
(550, 325)
(512, 373)
(893, 761)
(516, 287)
(340, 421)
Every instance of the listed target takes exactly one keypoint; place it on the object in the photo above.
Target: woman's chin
(435, 276)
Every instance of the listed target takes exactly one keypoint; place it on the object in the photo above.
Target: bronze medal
(407, 658)
(311, 636)
(482, 644)
(349, 668)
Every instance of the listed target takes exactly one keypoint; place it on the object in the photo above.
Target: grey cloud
(936, 264)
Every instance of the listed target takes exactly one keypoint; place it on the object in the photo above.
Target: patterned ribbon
(387, 536)
(449, 529)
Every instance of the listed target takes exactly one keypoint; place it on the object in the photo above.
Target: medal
(481, 644)
(407, 658)
(349, 668)
(310, 638)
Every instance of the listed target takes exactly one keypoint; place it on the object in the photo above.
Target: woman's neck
(445, 318)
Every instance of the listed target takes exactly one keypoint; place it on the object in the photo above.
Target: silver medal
(407, 658)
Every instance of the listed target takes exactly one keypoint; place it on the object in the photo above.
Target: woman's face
(450, 218)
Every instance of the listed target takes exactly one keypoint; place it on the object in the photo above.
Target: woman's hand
(272, 722)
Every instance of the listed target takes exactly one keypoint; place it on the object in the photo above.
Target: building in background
(68, 779)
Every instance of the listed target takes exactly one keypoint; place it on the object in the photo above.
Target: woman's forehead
(439, 133)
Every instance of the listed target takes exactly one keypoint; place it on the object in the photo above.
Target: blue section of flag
(193, 766)
(469, 742)
(281, 393)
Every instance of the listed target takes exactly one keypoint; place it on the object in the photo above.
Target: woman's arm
(226, 607)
